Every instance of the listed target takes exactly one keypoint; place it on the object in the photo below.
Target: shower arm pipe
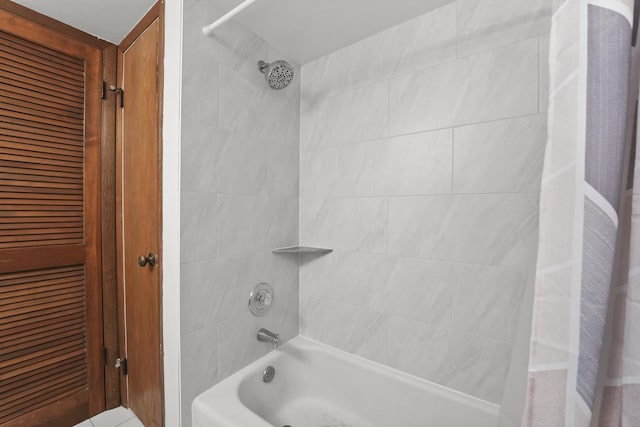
(233, 12)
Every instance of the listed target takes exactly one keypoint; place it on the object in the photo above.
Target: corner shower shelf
(301, 250)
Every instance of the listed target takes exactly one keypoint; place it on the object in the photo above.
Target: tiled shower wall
(421, 156)
(239, 181)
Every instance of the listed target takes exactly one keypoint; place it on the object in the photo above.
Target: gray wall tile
(469, 90)
(419, 163)
(358, 224)
(486, 229)
(198, 221)
(504, 156)
(353, 116)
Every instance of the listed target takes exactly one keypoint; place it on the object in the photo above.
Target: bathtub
(319, 386)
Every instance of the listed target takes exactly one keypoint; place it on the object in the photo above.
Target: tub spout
(265, 335)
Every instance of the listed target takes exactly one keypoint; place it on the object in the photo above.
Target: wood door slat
(43, 341)
(52, 397)
(42, 173)
(34, 62)
(41, 208)
(29, 63)
(71, 382)
(13, 66)
(24, 335)
(30, 293)
(73, 127)
(9, 89)
(42, 184)
(31, 151)
(41, 242)
(23, 212)
(42, 190)
(42, 357)
(38, 239)
(35, 204)
(32, 174)
(43, 52)
(43, 55)
(42, 148)
(36, 221)
(68, 409)
(28, 165)
(40, 127)
(34, 305)
(37, 293)
(15, 103)
(16, 384)
(28, 284)
(22, 80)
(28, 320)
(16, 69)
(59, 271)
(54, 226)
(55, 381)
(63, 296)
(22, 130)
(40, 103)
(26, 110)
(41, 162)
(14, 53)
(38, 382)
(43, 322)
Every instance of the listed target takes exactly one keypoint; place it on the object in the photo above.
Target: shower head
(277, 74)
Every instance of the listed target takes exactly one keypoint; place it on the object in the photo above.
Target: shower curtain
(584, 365)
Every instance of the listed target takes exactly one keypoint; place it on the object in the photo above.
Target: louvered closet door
(50, 315)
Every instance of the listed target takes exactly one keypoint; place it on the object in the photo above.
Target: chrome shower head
(277, 74)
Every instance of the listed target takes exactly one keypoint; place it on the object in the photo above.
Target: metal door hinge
(119, 92)
(122, 363)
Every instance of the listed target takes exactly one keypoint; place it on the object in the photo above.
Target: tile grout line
(424, 131)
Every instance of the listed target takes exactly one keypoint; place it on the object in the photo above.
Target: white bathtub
(319, 386)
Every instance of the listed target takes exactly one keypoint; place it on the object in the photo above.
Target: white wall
(171, 210)
(421, 155)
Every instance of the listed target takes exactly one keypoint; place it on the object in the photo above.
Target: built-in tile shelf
(301, 250)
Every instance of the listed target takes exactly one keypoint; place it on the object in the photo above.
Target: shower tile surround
(420, 165)
(415, 154)
(239, 185)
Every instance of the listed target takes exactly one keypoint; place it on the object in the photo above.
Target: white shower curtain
(584, 367)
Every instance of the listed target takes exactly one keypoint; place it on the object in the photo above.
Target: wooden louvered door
(51, 370)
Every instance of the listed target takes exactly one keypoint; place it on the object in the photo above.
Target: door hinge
(119, 92)
(122, 363)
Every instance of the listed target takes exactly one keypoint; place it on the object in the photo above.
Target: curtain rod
(233, 12)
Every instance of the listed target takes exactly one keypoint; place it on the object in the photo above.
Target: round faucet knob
(260, 299)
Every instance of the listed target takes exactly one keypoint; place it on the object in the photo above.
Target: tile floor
(118, 417)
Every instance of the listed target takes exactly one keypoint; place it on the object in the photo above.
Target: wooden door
(51, 370)
(139, 169)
